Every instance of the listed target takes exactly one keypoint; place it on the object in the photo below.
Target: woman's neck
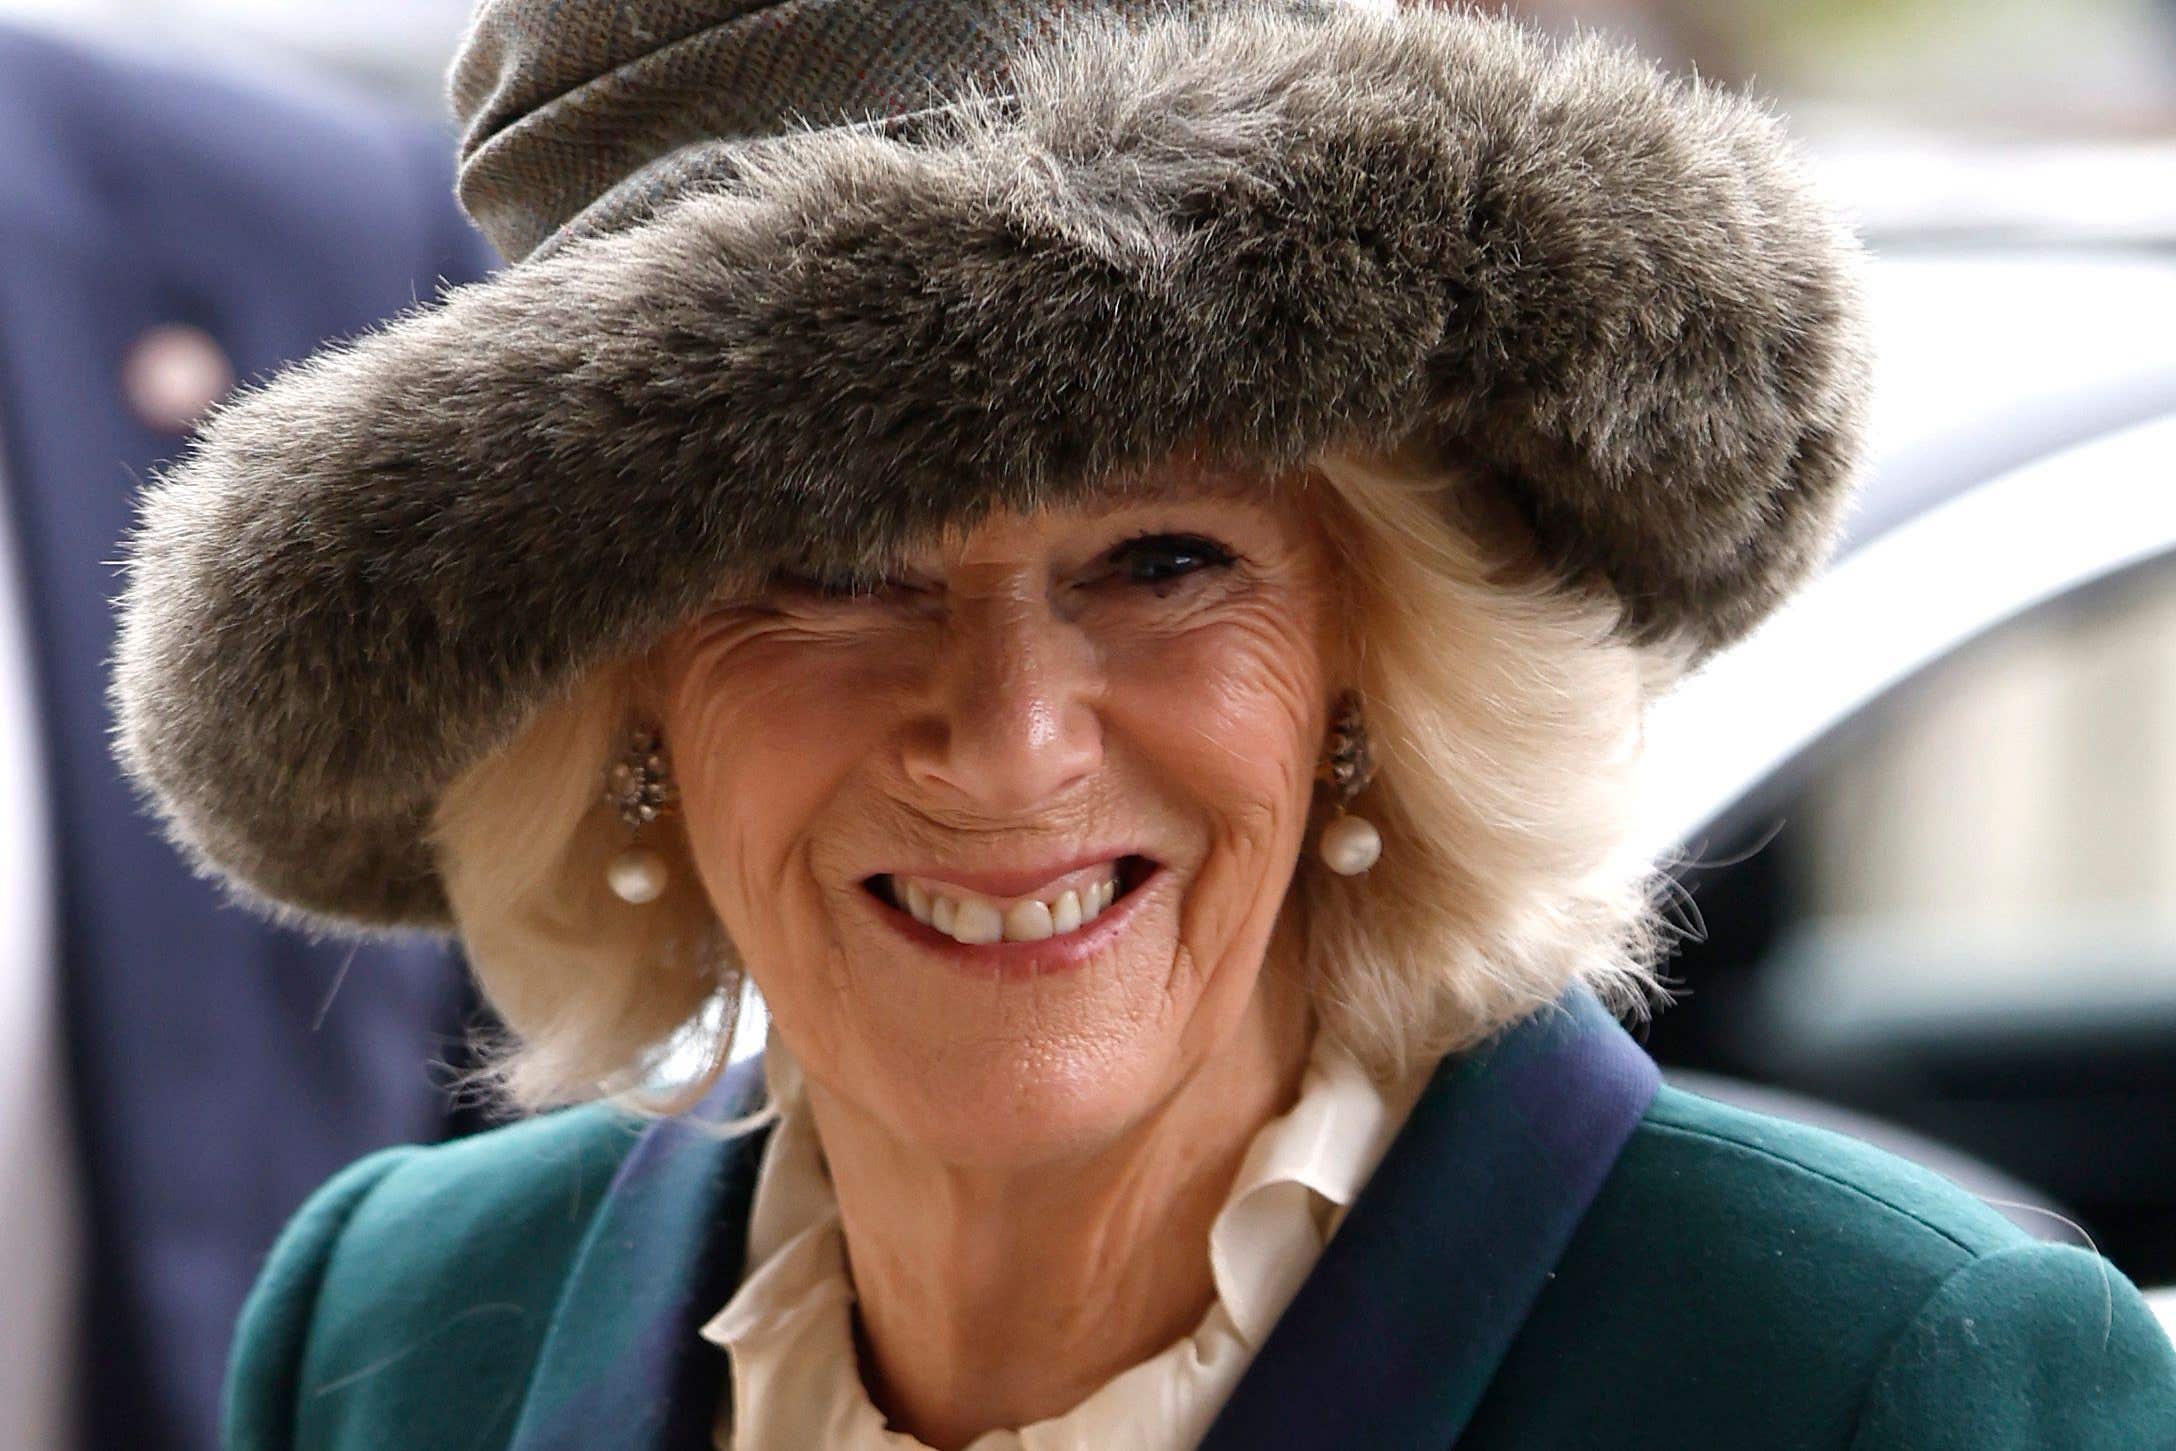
(1001, 1299)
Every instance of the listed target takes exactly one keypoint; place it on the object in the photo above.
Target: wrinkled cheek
(1231, 894)
(812, 995)
(1259, 803)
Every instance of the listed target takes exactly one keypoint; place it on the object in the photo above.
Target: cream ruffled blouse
(788, 1328)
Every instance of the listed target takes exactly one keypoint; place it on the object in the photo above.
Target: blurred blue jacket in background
(160, 231)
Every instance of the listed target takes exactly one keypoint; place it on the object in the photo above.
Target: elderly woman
(1108, 559)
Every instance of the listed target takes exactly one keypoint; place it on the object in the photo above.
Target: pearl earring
(639, 786)
(1348, 845)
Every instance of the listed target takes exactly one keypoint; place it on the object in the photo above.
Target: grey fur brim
(1614, 291)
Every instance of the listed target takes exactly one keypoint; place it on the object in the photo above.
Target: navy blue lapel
(1392, 1340)
(624, 1365)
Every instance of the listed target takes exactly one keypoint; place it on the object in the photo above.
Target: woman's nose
(1011, 721)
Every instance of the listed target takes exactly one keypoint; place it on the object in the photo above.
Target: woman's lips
(1060, 952)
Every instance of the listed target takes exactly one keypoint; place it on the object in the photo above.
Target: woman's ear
(647, 682)
(1339, 691)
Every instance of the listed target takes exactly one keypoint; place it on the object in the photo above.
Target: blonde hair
(1505, 713)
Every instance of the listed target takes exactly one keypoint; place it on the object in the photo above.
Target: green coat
(1554, 1254)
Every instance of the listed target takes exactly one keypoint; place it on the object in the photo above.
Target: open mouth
(1066, 904)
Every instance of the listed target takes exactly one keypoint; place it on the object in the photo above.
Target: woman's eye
(1155, 559)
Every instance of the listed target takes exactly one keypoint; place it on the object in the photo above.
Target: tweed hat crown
(579, 123)
(802, 280)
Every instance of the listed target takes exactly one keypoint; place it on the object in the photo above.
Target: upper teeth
(973, 918)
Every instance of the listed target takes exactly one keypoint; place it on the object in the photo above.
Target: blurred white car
(1929, 809)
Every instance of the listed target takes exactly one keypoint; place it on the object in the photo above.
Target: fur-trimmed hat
(805, 279)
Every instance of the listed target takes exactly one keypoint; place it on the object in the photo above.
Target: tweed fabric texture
(1254, 233)
(563, 101)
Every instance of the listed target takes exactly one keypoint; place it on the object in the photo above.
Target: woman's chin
(1022, 1105)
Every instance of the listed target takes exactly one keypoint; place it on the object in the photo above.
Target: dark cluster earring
(639, 787)
(1349, 844)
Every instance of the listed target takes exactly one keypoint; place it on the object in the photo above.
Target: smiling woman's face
(908, 806)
